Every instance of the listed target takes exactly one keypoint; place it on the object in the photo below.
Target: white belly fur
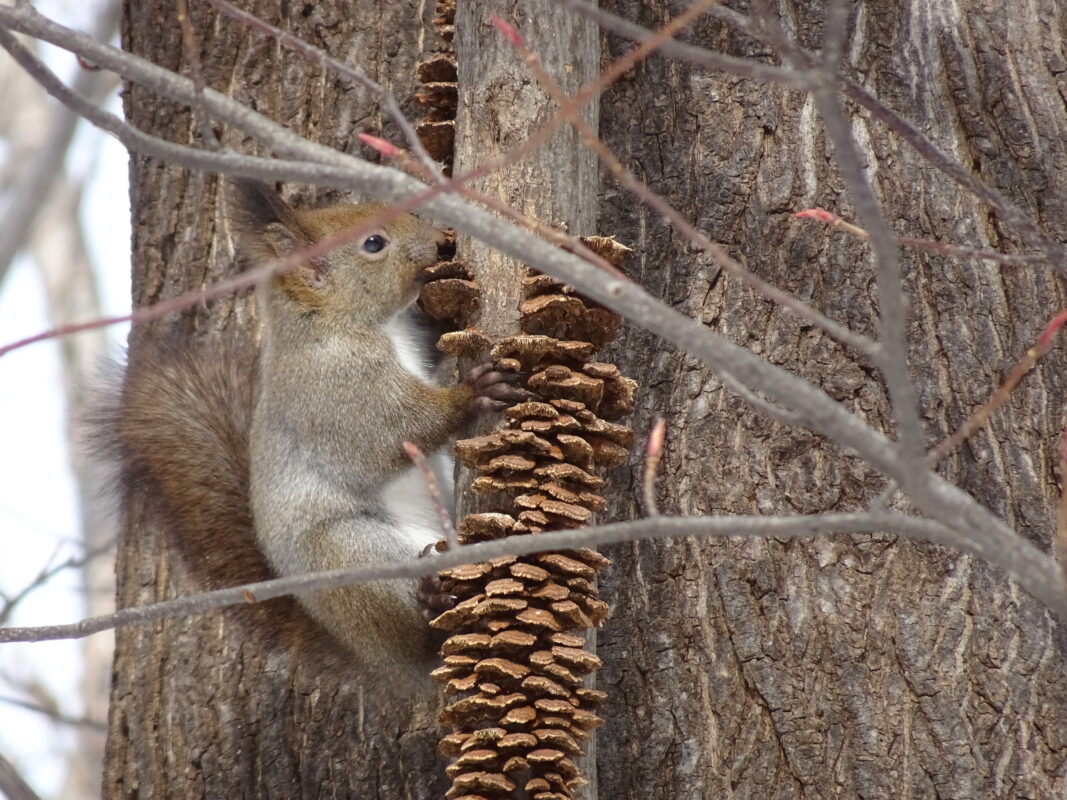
(403, 333)
(406, 497)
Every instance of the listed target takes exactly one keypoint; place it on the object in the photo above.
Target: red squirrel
(288, 455)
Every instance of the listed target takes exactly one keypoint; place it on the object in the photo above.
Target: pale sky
(38, 517)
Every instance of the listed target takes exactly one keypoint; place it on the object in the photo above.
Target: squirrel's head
(372, 274)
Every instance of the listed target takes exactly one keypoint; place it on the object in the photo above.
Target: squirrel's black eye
(374, 244)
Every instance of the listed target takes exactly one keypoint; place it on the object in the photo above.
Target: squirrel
(286, 457)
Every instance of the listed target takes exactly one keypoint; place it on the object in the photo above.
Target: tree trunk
(845, 667)
(861, 666)
(500, 107)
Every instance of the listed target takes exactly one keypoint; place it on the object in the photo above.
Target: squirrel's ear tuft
(264, 224)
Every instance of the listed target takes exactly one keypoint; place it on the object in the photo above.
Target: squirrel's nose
(424, 251)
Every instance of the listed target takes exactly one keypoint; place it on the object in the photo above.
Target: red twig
(572, 243)
(931, 245)
(982, 414)
(1061, 507)
(434, 489)
(653, 455)
(1000, 396)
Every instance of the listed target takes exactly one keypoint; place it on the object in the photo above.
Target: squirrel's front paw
(494, 389)
(431, 595)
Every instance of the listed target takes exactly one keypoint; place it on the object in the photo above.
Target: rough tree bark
(848, 667)
(863, 666)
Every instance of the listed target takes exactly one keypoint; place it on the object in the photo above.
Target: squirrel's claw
(495, 389)
(431, 595)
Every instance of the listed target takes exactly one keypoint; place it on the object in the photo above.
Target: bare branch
(929, 245)
(46, 573)
(57, 716)
(34, 181)
(1036, 573)
(11, 783)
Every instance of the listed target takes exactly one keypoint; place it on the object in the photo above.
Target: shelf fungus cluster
(437, 75)
(516, 668)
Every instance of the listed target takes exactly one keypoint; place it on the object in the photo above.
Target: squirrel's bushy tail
(180, 433)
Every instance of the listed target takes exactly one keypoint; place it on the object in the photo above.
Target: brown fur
(180, 435)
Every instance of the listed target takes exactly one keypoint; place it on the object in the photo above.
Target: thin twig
(653, 456)
(702, 56)
(46, 573)
(191, 49)
(351, 74)
(929, 245)
(715, 251)
(12, 785)
(892, 317)
(444, 517)
(56, 716)
(34, 179)
(1036, 573)
(981, 415)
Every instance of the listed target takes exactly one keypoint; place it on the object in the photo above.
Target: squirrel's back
(180, 432)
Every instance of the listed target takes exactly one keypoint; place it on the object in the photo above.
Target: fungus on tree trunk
(515, 661)
(516, 666)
